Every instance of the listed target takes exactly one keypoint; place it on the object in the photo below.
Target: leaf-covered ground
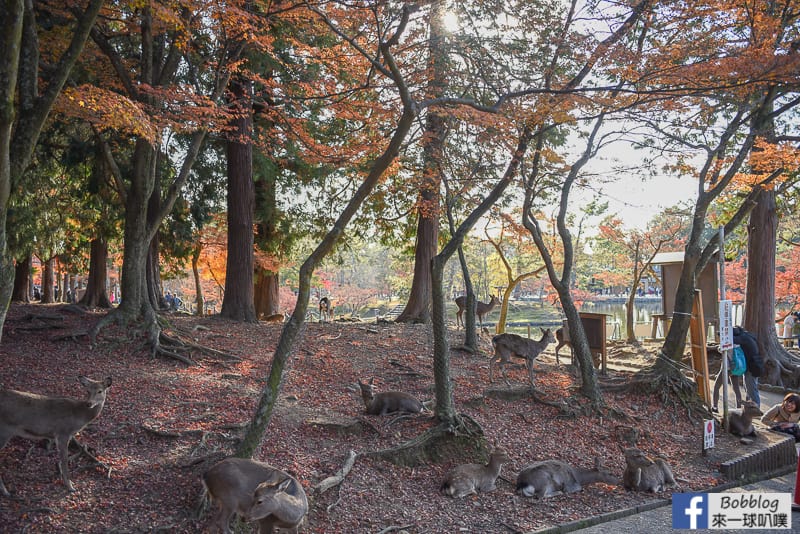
(165, 423)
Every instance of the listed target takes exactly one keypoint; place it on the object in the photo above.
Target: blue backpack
(738, 362)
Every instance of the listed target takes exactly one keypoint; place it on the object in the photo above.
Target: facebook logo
(689, 510)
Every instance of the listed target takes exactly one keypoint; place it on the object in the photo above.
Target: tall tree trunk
(155, 291)
(199, 301)
(48, 281)
(270, 241)
(237, 304)
(22, 279)
(629, 308)
(96, 295)
(418, 307)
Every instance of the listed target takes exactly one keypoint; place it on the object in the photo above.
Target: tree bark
(199, 301)
(22, 278)
(96, 295)
(237, 304)
(267, 301)
(418, 307)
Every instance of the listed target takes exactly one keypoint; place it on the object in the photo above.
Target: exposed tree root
(446, 440)
(340, 475)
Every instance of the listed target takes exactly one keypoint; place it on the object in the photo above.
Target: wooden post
(697, 330)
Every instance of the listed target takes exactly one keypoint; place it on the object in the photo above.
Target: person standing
(755, 363)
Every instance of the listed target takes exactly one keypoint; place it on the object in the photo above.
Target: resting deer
(645, 474)
(257, 492)
(387, 401)
(741, 424)
(33, 416)
(546, 478)
(482, 309)
(325, 309)
(472, 478)
(508, 345)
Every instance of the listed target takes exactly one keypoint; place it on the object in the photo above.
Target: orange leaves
(107, 110)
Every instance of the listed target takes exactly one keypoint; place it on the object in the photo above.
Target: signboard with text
(725, 325)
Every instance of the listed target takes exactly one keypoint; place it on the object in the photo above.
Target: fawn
(645, 474)
(483, 308)
(387, 401)
(546, 478)
(35, 416)
(508, 345)
(257, 492)
(472, 478)
(741, 424)
(562, 336)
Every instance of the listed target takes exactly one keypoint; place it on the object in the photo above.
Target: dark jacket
(749, 344)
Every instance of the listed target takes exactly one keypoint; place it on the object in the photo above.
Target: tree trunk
(48, 281)
(96, 295)
(237, 304)
(418, 307)
(629, 308)
(22, 278)
(155, 290)
(470, 332)
(199, 301)
(267, 301)
(759, 310)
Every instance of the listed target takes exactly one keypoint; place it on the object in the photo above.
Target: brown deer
(387, 401)
(33, 416)
(481, 309)
(472, 478)
(563, 338)
(741, 424)
(257, 492)
(546, 478)
(325, 309)
(508, 345)
(643, 473)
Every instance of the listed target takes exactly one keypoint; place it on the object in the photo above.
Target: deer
(482, 309)
(256, 492)
(560, 335)
(508, 345)
(741, 424)
(549, 477)
(466, 479)
(643, 473)
(325, 309)
(34, 416)
(387, 401)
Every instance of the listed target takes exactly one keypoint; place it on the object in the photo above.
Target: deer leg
(62, 444)
(3, 440)
(529, 365)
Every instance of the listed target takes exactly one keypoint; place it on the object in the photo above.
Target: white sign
(708, 434)
(725, 325)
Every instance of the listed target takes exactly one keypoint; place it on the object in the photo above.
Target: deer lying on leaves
(481, 309)
(645, 474)
(548, 477)
(472, 478)
(256, 492)
(508, 345)
(387, 401)
(33, 416)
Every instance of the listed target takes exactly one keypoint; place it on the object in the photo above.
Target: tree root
(340, 475)
(446, 440)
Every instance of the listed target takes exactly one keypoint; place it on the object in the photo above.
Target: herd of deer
(261, 493)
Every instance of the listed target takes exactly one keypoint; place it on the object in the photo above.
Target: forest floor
(165, 423)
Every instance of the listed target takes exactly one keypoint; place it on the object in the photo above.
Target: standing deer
(563, 338)
(482, 309)
(33, 416)
(546, 478)
(325, 309)
(257, 492)
(645, 474)
(508, 345)
(472, 478)
(387, 401)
